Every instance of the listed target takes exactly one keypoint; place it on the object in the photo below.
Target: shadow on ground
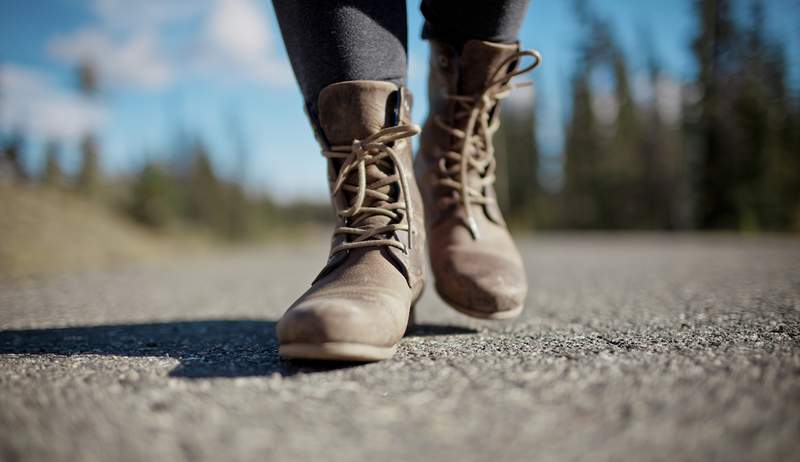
(205, 348)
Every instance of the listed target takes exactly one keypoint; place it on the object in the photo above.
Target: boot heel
(412, 319)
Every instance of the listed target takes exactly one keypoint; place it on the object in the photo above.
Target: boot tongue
(479, 61)
(354, 110)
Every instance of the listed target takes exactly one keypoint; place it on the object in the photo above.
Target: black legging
(339, 40)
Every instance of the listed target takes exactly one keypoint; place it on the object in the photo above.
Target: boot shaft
(465, 73)
(355, 111)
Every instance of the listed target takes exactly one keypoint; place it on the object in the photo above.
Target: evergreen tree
(580, 209)
(623, 202)
(12, 152)
(89, 174)
(153, 201)
(239, 214)
(206, 201)
(771, 171)
(518, 160)
(53, 176)
(747, 172)
(664, 186)
(715, 171)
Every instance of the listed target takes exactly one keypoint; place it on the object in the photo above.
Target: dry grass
(44, 231)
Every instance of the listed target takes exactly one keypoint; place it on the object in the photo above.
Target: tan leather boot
(477, 268)
(357, 309)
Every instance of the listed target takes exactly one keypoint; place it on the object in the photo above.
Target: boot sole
(496, 316)
(336, 351)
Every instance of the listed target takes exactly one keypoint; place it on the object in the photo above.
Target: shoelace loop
(477, 151)
(356, 158)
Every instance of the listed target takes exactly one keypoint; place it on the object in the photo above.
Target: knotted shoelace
(355, 160)
(476, 151)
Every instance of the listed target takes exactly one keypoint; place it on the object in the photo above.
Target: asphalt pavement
(632, 347)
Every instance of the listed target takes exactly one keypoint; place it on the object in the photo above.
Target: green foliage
(205, 200)
(731, 162)
(729, 159)
(748, 173)
(153, 198)
(517, 166)
(580, 205)
(191, 194)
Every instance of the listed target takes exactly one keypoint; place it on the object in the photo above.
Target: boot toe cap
(331, 319)
(483, 283)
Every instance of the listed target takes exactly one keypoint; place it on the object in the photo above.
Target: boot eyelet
(443, 61)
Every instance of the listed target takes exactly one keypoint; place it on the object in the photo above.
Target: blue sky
(218, 69)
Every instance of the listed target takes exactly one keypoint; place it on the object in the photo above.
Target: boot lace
(364, 189)
(473, 149)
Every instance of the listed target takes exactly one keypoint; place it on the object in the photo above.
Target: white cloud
(145, 14)
(136, 61)
(239, 41)
(128, 46)
(239, 28)
(31, 102)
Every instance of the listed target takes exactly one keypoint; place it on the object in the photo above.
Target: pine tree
(770, 168)
(53, 176)
(747, 170)
(206, 200)
(517, 166)
(715, 172)
(89, 174)
(664, 186)
(13, 152)
(579, 208)
(152, 201)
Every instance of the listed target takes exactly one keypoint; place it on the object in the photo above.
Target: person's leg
(338, 41)
(455, 21)
(350, 60)
(474, 55)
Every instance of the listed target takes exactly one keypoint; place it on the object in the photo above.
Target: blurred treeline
(720, 152)
(726, 156)
(181, 192)
(188, 191)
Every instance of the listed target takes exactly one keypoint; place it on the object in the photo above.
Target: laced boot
(357, 308)
(476, 266)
